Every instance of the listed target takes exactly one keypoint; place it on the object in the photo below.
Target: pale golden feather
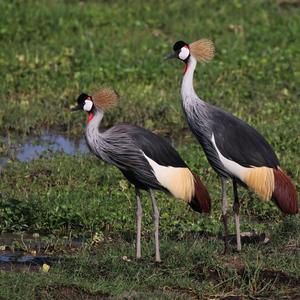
(261, 180)
(203, 50)
(105, 98)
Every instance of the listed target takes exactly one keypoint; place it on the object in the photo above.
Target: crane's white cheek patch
(184, 53)
(88, 104)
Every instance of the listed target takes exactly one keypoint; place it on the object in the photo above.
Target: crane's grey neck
(187, 88)
(195, 109)
(92, 129)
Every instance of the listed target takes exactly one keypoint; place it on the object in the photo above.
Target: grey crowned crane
(233, 148)
(147, 160)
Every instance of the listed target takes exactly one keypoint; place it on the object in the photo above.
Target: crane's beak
(171, 55)
(75, 108)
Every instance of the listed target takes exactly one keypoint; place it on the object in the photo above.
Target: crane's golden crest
(105, 98)
(203, 50)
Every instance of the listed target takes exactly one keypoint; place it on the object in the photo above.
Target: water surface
(44, 145)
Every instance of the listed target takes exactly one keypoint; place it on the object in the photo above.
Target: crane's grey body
(198, 115)
(130, 148)
(117, 146)
(230, 145)
(235, 139)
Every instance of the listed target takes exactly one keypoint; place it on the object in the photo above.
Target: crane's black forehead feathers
(82, 97)
(178, 45)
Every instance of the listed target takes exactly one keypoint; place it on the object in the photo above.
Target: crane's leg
(236, 210)
(139, 213)
(224, 213)
(156, 224)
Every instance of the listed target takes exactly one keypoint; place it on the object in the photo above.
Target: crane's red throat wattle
(90, 116)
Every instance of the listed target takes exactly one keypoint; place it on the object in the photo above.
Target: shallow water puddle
(26, 259)
(46, 144)
(38, 242)
(33, 249)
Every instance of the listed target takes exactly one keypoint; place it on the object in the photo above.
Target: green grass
(53, 50)
(191, 269)
(50, 52)
(83, 195)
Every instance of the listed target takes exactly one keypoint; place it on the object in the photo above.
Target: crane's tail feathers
(285, 194)
(200, 201)
(269, 183)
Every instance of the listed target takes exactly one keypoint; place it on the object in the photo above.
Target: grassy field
(53, 50)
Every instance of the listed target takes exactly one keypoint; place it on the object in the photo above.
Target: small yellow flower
(125, 258)
(45, 268)
(98, 238)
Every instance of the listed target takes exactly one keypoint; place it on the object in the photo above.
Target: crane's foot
(157, 258)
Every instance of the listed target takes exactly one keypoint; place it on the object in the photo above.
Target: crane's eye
(88, 104)
(184, 53)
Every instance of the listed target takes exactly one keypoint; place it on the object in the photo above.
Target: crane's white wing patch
(260, 179)
(179, 181)
(232, 167)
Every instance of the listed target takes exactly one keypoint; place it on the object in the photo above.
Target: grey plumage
(147, 160)
(125, 146)
(236, 140)
(233, 148)
(197, 114)
(117, 147)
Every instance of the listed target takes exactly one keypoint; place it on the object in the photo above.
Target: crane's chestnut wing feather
(241, 143)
